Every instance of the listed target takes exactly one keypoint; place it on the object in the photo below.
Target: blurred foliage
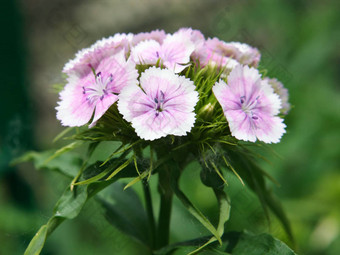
(299, 41)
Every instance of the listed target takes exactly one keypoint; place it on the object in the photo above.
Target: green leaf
(249, 244)
(114, 167)
(224, 205)
(63, 133)
(193, 210)
(277, 209)
(255, 179)
(37, 243)
(186, 250)
(70, 205)
(124, 210)
(234, 243)
(187, 245)
(137, 179)
(67, 164)
(64, 149)
(120, 168)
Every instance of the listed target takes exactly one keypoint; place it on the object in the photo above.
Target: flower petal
(157, 35)
(282, 92)
(146, 52)
(269, 129)
(176, 51)
(240, 125)
(90, 57)
(133, 102)
(73, 108)
(102, 106)
(123, 72)
(226, 97)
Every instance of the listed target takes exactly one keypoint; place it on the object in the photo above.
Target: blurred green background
(299, 41)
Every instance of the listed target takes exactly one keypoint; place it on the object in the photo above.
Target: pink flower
(195, 36)
(282, 92)
(93, 55)
(157, 35)
(227, 55)
(162, 105)
(250, 106)
(174, 52)
(246, 54)
(95, 93)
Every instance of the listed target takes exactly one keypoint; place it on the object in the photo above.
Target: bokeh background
(299, 41)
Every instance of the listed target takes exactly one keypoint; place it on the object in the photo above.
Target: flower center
(159, 100)
(99, 89)
(248, 106)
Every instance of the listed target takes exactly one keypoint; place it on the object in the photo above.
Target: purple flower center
(159, 100)
(249, 105)
(99, 89)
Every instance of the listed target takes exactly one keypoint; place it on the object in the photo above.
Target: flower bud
(206, 111)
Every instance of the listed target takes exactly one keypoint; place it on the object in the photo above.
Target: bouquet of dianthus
(166, 100)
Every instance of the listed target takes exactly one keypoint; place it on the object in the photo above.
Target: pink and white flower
(195, 36)
(227, 55)
(174, 53)
(90, 57)
(282, 92)
(162, 105)
(156, 35)
(92, 94)
(246, 54)
(250, 106)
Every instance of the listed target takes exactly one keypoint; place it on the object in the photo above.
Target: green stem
(149, 211)
(166, 194)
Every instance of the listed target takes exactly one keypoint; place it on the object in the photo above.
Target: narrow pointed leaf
(37, 243)
(120, 168)
(64, 149)
(62, 133)
(137, 179)
(224, 209)
(193, 210)
(99, 171)
(67, 164)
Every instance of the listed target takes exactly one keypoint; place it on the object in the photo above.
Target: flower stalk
(150, 214)
(166, 196)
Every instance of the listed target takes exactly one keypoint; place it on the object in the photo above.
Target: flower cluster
(148, 77)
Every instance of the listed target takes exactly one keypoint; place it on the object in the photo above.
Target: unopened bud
(206, 111)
